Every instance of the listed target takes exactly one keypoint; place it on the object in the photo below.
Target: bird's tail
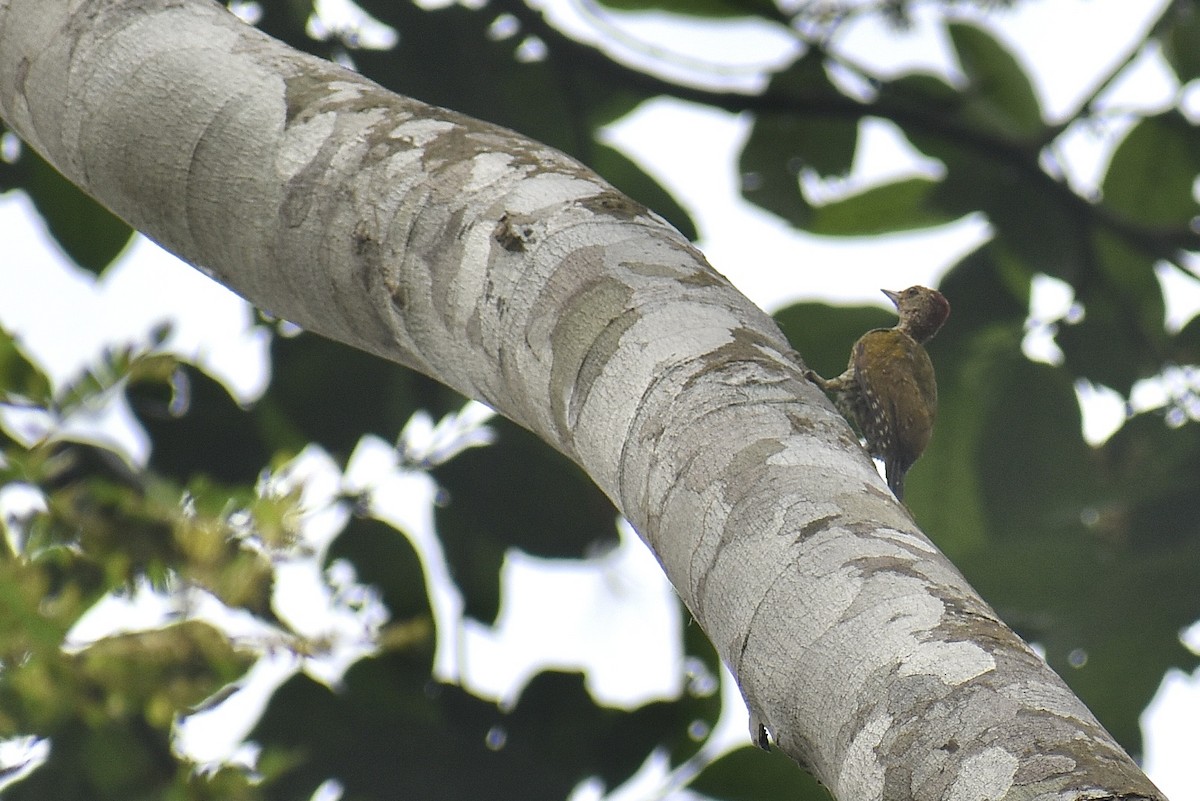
(895, 478)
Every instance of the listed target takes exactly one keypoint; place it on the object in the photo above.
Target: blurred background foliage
(1090, 549)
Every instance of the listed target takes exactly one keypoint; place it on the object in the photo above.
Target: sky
(626, 606)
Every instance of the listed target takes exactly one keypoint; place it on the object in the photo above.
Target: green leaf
(1130, 274)
(165, 670)
(825, 144)
(770, 169)
(921, 89)
(20, 377)
(1032, 219)
(1153, 472)
(899, 206)
(780, 147)
(1153, 170)
(516, 493)
(1121, 337)
(89, 233)
(391, 732)
(116, 703)
(999, 94)
(326, 392)
(26, 622)
(114, 367)
(1185, 346)
(384, 557)
(1032, 421)
(782, 144)
(751, 774)
(631, 179)
(1181, 45)
(209, 434)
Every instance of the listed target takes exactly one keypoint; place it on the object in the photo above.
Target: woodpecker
(888, 390)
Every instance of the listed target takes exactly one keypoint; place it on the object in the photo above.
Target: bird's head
(922, 311)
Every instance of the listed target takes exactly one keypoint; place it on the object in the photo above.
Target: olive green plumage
(889, 391)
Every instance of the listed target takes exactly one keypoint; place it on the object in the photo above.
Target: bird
(888, 390)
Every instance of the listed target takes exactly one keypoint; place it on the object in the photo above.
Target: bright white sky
(612, 616)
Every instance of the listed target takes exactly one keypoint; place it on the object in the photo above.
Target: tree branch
(517, 276)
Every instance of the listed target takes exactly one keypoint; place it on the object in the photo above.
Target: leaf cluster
(202, 517)
(83, 524)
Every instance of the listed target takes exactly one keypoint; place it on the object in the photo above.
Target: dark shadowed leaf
(384, 557)
(21, 380)
(1152, 173)
(750, 774)
(921, 90)
(86, 231)
(1181, 45)
(898, 206)
(770, 171)
(517, 493)
(999, 93)
(1034, 218)
(332, 394)
(631, 179)
(1036, 471)
(1185, 345)
(211, 436)
(784, 143)
(119, 698)
(453, 745)
(1121, 337)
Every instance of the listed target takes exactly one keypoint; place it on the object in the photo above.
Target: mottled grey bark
(517, 276)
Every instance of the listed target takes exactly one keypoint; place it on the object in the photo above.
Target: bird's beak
(894, 297)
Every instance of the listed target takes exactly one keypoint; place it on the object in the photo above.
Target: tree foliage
(1089, 550)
